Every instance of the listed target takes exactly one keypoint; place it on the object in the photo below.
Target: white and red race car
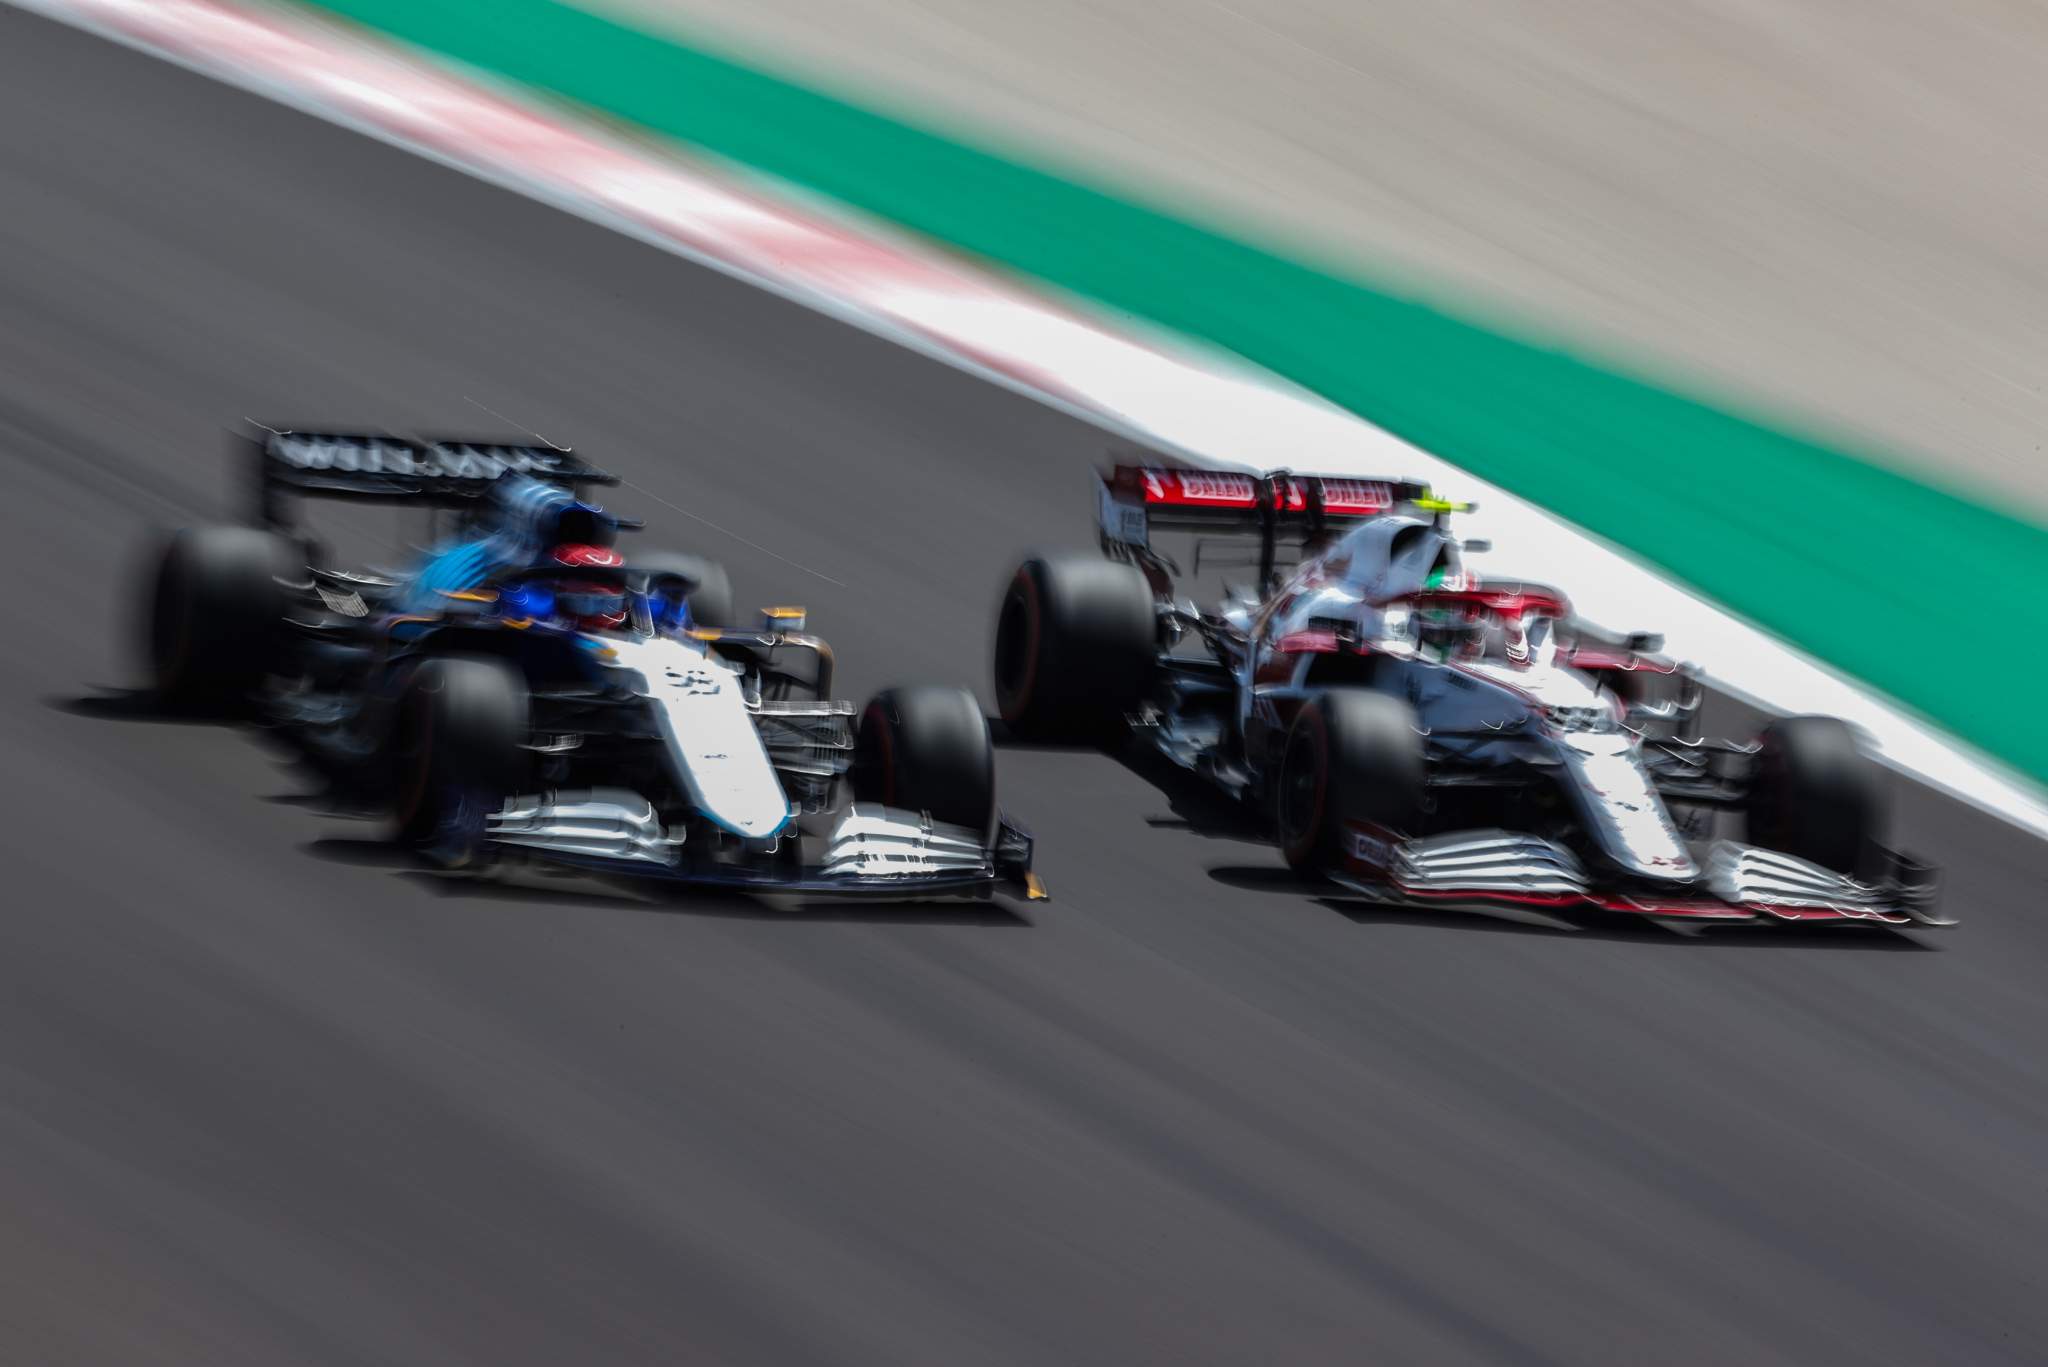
(1426, 736)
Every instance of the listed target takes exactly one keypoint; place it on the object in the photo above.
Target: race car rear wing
(1137, 500)
(437, 473)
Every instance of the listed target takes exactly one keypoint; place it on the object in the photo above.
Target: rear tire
(217, 611)
(1352, 755)
(458, 750)
(928, 750)
(1077, 641)
(711, 600)
(1817, 794)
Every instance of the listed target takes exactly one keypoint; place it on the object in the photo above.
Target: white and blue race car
(531, 689)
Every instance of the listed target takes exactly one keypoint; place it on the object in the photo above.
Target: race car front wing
(872, 850)
(1489, 869)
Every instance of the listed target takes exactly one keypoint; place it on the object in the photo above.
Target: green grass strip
(1920, 593)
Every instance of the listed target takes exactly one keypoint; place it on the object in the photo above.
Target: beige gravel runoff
(1831, 211)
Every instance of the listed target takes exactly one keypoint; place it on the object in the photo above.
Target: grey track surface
(1828, 208)
(267, 1096)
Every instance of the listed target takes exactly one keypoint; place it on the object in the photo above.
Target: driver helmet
(1457, 629)
(589, 604)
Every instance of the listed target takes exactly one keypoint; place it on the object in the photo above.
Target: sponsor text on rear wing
(374, 467)
(1136, 500)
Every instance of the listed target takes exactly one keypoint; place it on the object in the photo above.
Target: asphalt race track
(268, 1094)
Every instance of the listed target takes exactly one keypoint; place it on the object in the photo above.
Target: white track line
(1144, 386)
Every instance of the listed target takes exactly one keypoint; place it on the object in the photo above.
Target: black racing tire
(711, 600)
(1077, 641)
(1818, 794)
(216, 614)
(927, 749)
(1352, 755)
(459, 736)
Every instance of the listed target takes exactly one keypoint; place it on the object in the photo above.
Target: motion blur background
(1832, 209)
(268, 1093)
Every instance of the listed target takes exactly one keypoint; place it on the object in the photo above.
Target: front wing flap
(873, 850)
(1490, 870)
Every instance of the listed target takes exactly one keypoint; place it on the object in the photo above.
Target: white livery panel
(711, 737)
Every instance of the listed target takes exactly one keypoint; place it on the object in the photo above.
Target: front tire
(1351, 755)
(927, 750)
(1076, 646)
(217, 611)
(1817, 794)
(458, 751)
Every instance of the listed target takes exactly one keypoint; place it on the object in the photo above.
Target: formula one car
(530, 689)
(1428, 737)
